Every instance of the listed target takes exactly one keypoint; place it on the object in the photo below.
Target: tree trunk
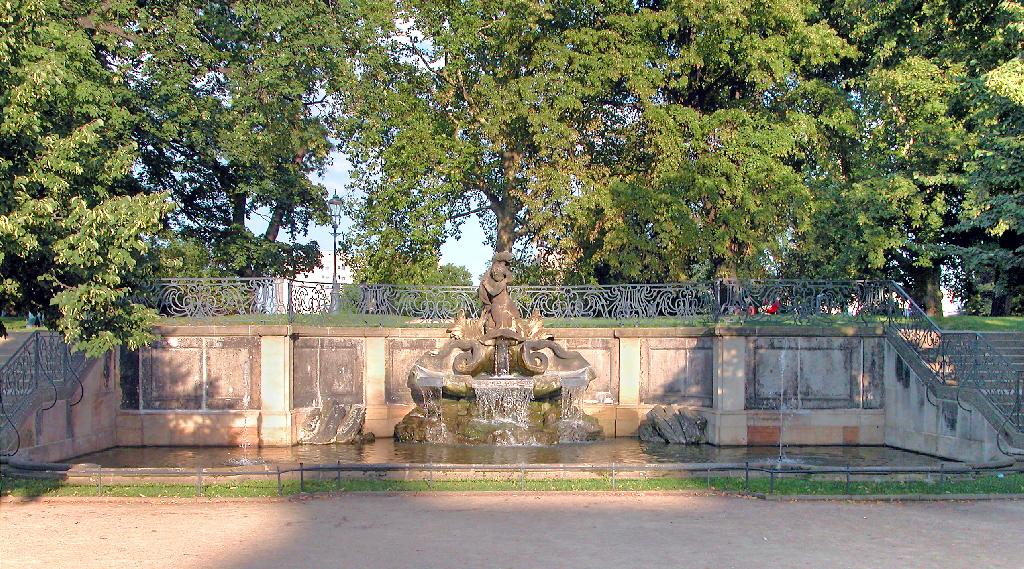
(924, 287)
(933, 292)
(238, 202)
(505, 207)
(505, 236)
(928, 289)
(1000, 296)
(274, 227)
(1000, 302)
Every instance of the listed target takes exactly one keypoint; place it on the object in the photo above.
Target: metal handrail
(976, 365)
(43, 359)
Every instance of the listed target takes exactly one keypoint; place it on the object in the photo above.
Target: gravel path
(509, 530)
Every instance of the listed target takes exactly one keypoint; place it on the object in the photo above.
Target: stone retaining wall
(217, 385)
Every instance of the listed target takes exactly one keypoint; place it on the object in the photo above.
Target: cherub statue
(499, 310)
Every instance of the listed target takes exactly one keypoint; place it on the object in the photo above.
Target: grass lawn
(982, 323)
(16, 324)
(790, 485)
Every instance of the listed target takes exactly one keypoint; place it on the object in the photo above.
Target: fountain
(501, 379)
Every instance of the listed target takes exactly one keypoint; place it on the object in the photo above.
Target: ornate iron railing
(777, 299)
(43, 363)
(964, 360)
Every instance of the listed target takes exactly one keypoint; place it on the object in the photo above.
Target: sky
(469, 250)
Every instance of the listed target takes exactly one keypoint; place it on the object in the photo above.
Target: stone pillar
(627, 415)
(275, 390)
(729, 420)
(377, 421)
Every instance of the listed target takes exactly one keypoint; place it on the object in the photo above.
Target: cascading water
(782, 406)
(572, 403)
(432, 402)
(571, 425)
(245, 443)
(503, 403)
(787, 408)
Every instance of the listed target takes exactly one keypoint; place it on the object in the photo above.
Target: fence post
(746, 476)
(847, 479)
(280, 487)
(290, 305)
(718, 300)
(338, 484)
(613, 476)
(302, 478)
(889, 292)
(771, 481)
(522, 476)
(942, 474)
(199, 482)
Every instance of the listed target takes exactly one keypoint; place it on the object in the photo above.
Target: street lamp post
(334, 205)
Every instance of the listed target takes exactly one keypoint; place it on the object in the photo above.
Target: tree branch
(471, 212)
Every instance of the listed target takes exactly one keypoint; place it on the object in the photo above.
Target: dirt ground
(416, 531)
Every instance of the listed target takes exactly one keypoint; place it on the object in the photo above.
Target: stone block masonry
(212, 385)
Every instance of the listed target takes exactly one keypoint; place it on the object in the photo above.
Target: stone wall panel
(402, 353)
(171, 374)
(603, 356)
(232, 373)
(677, 371)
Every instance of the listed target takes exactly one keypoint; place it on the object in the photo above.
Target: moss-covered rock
(458, 424)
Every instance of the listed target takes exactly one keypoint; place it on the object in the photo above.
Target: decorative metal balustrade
(963, 360)
(34, 377)
(776, 300)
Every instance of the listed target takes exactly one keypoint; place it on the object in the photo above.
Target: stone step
(1018, 336)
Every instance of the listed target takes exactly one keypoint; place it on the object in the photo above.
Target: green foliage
(990, 235)
(73, 227)
(481, 108)
(705, 179)
(624, 141)
(897, 176)
(236, 103)
(451, 275)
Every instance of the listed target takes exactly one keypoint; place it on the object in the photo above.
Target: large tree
(488, 108)
(238, 101)
(629, 141)
(74, 226)
(989, 240)
(894, 177)
(706, 162)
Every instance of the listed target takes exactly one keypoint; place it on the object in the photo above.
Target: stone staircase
(1011, 345)
(36, 370)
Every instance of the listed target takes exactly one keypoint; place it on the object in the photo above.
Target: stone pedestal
(727, 422)
(275, 390)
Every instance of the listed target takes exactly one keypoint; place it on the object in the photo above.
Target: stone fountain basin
(545, 386)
